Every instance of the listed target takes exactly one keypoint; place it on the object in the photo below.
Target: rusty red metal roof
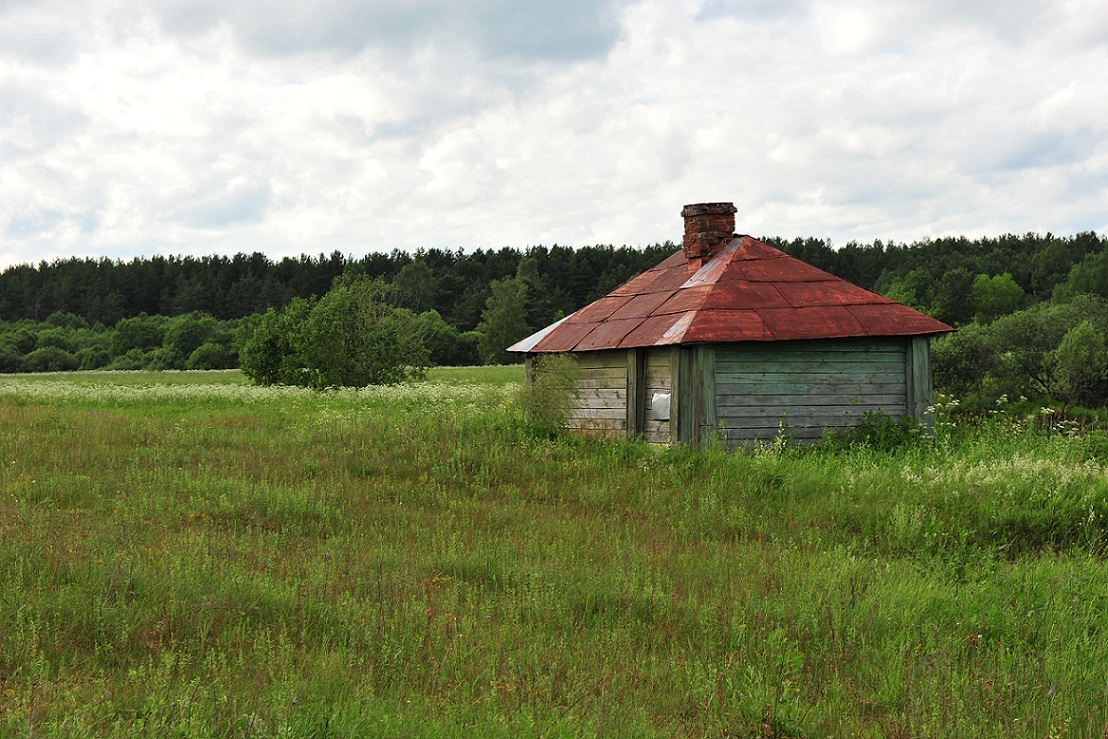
(747, 291)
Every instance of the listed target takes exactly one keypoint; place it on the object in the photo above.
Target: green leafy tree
(62, 338)
(415, 286)
(186, 333)
(1080, 365)
(1022, 341)
(1050, 266)
(50, 359)
(447, 347)
(93, 358)
(269, 355)
(1087, 277)
(210, 356)
(961, 360)
(142, 332)
(66, 320)
(11, 359)
(995, 296)
(902, 289)
(503, 322)
(352, 337)
(21, 339)
(953, 302)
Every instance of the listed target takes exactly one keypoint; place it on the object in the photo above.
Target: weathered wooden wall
(659, 363)
(809, 386)
(741, 393)
(601, 406)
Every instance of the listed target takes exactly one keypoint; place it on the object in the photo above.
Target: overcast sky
(139, 127)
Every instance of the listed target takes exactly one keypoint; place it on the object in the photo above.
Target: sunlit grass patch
(132, 377)
(490, 375)
(426, 396)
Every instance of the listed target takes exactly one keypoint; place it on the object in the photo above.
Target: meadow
(186, 555)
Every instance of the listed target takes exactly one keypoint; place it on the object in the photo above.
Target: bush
(50, 359)
(59, 337)
(141, 332)
(94, 357)
(211, 356)
(11, 359)
(879, 432)
(63, 319)
(548, 399)
(135, 359)
(162, 359)
(21, 339)
(185, 334)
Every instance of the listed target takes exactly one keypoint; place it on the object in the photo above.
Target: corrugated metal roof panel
(742, 295)
(712, 269)
(664, 271)
(684, 300)
(728, 325)
(822, 322)
(826, 292)
(895, 320)
(784, 268)
(653, 330)
(565, 338)
(642, 306)
(754, 249)
(608, 335)
(600, 309)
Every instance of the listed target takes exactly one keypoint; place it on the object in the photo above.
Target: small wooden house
(733, 339)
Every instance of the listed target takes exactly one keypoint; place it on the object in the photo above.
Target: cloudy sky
(137, 127)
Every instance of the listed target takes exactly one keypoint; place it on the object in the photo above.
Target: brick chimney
(708, 226)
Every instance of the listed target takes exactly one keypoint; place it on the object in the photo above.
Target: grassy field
(184, 555)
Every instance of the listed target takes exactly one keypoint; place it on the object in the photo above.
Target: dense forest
(456, 284)
(188, 312)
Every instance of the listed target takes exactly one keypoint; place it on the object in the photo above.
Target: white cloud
(132, 128)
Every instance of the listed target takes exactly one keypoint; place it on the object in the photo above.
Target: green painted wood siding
(809, 386)
(601, 406)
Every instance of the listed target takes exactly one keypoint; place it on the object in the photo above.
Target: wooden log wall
(810, 386)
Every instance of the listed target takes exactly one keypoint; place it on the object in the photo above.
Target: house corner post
(694, 387)
(707, 421)
(636, 392)
(918, 377)
(675, 400)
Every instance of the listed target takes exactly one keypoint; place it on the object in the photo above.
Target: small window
(659, 406)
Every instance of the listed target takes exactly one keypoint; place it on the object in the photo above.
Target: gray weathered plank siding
(807, 386)
(601, 403)
(658, 381)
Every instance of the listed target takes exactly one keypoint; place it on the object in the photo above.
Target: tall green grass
(211, 559)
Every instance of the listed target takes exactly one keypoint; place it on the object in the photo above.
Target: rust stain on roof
(747, 291)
